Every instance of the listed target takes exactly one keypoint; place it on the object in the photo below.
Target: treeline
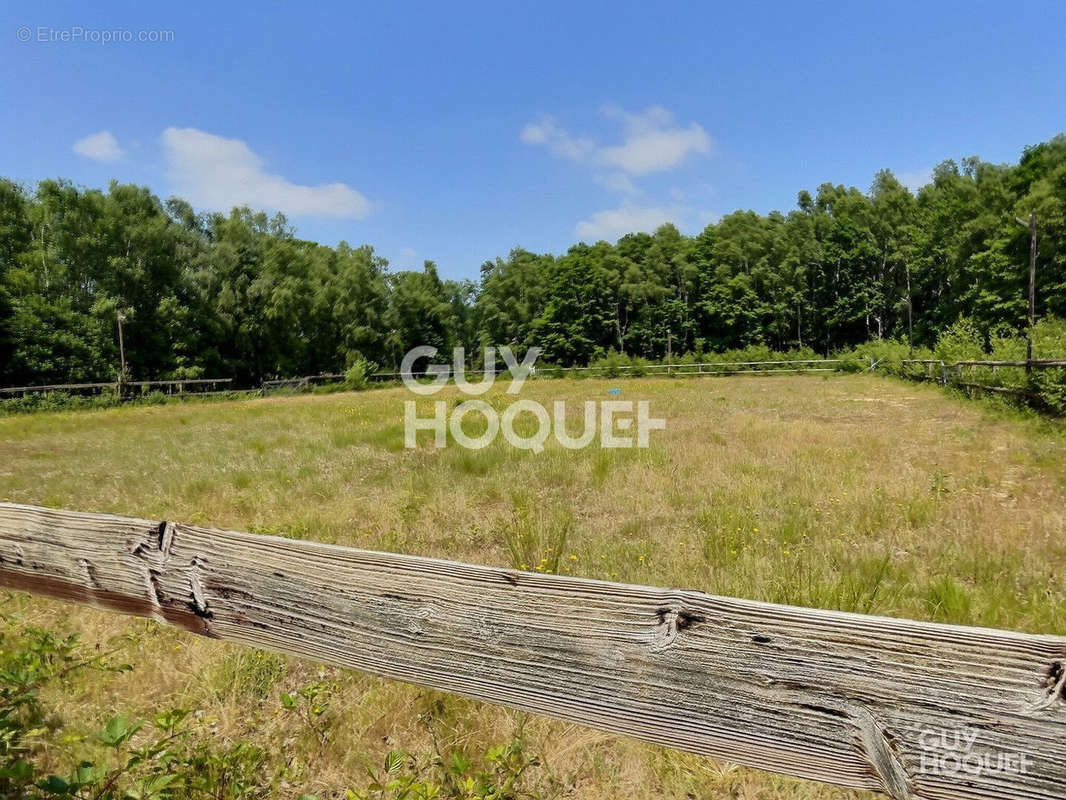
(239, 295)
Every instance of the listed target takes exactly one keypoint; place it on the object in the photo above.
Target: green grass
(852, 492)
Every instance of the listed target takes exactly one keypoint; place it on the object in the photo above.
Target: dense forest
(239, 295)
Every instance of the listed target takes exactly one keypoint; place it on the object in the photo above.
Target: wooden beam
(852, 700)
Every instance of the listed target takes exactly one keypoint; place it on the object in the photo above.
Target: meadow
(850, 492)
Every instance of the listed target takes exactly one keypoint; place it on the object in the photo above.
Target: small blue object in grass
(614, 391)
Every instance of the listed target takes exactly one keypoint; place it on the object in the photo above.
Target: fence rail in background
(709, 364)
(56, 387)
(1039, 363)
(169, 386)
(708, 368)
(952, 374)
(852, 700)
(1044, 363)
(305, 382)
(694, 368)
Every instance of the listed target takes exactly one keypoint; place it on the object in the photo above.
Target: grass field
(852, 492)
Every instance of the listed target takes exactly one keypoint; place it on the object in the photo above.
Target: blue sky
(456, 131)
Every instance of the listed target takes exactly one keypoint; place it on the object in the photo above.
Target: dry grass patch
(853, 493)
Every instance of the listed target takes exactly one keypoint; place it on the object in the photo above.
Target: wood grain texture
(857, 701)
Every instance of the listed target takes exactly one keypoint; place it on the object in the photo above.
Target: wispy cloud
(406, 258)
(617, 182)
(614, 223)
(218, 173)
(547, 132)
(915, 179)
(617, 222)
(102, 146)
(652, 141)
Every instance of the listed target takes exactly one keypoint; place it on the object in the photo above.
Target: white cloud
(546, 131)
(218, 173)
(617, 182)
(915, 179)
(406, 257)
(102, 146)
(652, 141)
(615, 223)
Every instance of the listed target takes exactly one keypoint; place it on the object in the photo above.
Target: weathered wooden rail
(852, 700)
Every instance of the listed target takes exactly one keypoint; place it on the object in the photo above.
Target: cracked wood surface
(857, 701)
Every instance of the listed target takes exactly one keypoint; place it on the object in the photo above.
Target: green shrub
(1049, 342)
(1049, 338)
(501, 773)
(184, 373)
(357, 375)
(610, 365)
(548, 370)
(1049, 386)
(1042, 387)
(175, 754)
(887, 354)
(167, 757)
(961, 341)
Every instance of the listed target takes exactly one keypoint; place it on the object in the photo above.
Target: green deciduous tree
(238, 295)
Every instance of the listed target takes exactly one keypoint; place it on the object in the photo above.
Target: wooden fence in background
(305, 382)
(955, 374)
(694, 368)
(922, 369)
(856, 701)
(186, 386)
(209, 386)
